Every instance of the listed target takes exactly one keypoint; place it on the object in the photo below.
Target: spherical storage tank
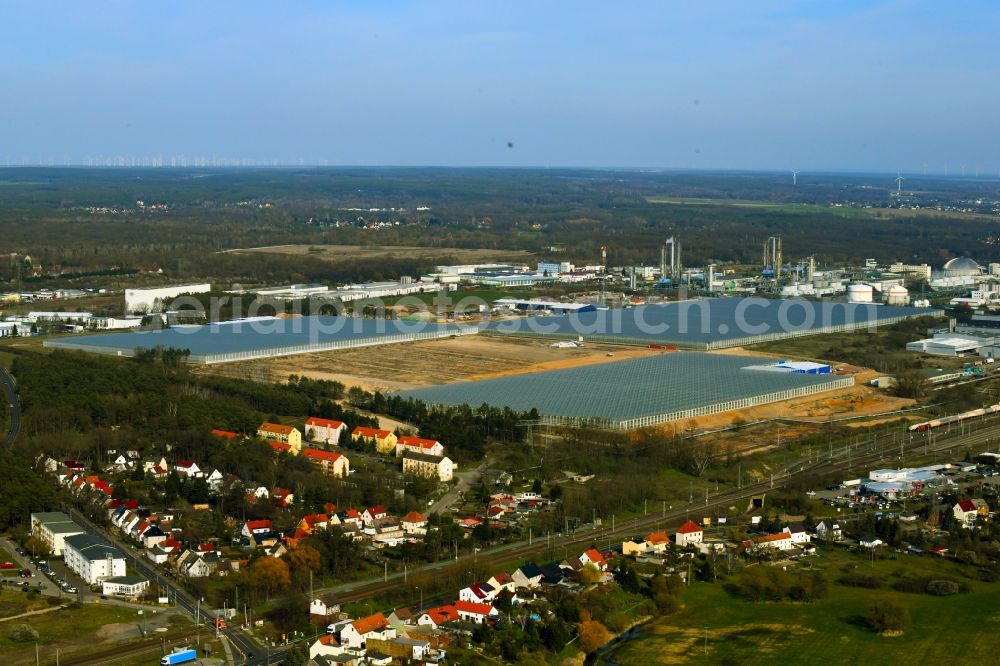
(897, 295)
(859, 293)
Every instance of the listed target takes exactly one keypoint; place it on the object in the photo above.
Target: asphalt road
(13, 404)
(251, 651)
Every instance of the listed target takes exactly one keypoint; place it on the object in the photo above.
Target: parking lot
(46, 583)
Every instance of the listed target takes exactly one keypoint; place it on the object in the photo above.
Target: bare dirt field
(414, 364)
(338, 252)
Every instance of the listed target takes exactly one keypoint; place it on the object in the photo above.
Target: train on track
(955, 418)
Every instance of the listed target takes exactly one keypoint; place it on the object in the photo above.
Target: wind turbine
(899, 184)
(795, 176)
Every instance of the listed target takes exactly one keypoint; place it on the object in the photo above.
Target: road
(252, 652)
(13, 404)
(880, 450)
(465, 481)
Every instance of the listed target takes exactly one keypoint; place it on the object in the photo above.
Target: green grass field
(955, 629)
(71, 629)
(780, 207)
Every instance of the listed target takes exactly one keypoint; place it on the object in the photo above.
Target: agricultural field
(717, 628)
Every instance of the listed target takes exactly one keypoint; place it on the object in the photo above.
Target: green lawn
(955, 629)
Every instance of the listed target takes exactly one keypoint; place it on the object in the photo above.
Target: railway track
(890, 447)
(112, 655)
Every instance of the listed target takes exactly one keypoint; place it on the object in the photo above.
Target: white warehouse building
(93, 558)
(153, 300)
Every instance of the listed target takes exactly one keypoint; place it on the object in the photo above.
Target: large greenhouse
(708, 324)
(632, 394)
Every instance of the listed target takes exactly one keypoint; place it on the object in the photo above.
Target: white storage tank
(859, 293)
(897, 295)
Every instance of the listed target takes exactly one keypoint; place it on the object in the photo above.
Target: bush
(888, 616)
(942, 588)
(860, 580)
(774, 584)
(23, 633)
(928, 585)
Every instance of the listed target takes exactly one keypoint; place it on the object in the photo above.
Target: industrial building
(539, 305)
(710, 323)
(263, 337)
(632, 394)
(357, 292)
(951, 344)
(156, 299)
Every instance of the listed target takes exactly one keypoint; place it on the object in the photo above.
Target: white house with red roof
(188, 468)
(593, 556)
(163, 551)
(314, 521)
(775, 541)
(352, 517)
(359, 632)
(252, 527)
(481, 593)
(324, 431)
(414, 524)
(475, 612)
(437, 616)
(283, 496)
(373, 513)
(966, 512)
(689, 534)
(502, 581)
(418, 445)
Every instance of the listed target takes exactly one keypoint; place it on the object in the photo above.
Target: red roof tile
(371, 623)
(690, 527)
(319, 454)
(276, 428)
(417, 442)
(472, 607)
(324, 423)
(372, 433)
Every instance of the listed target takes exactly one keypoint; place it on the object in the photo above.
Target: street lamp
(421, 606)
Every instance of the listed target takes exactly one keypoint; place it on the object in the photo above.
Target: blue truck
(181, 657)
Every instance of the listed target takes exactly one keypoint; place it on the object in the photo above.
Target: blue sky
(766, 84)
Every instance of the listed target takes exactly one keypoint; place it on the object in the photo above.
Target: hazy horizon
(851, 87)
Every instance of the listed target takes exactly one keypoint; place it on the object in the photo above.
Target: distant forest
(58, 216)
